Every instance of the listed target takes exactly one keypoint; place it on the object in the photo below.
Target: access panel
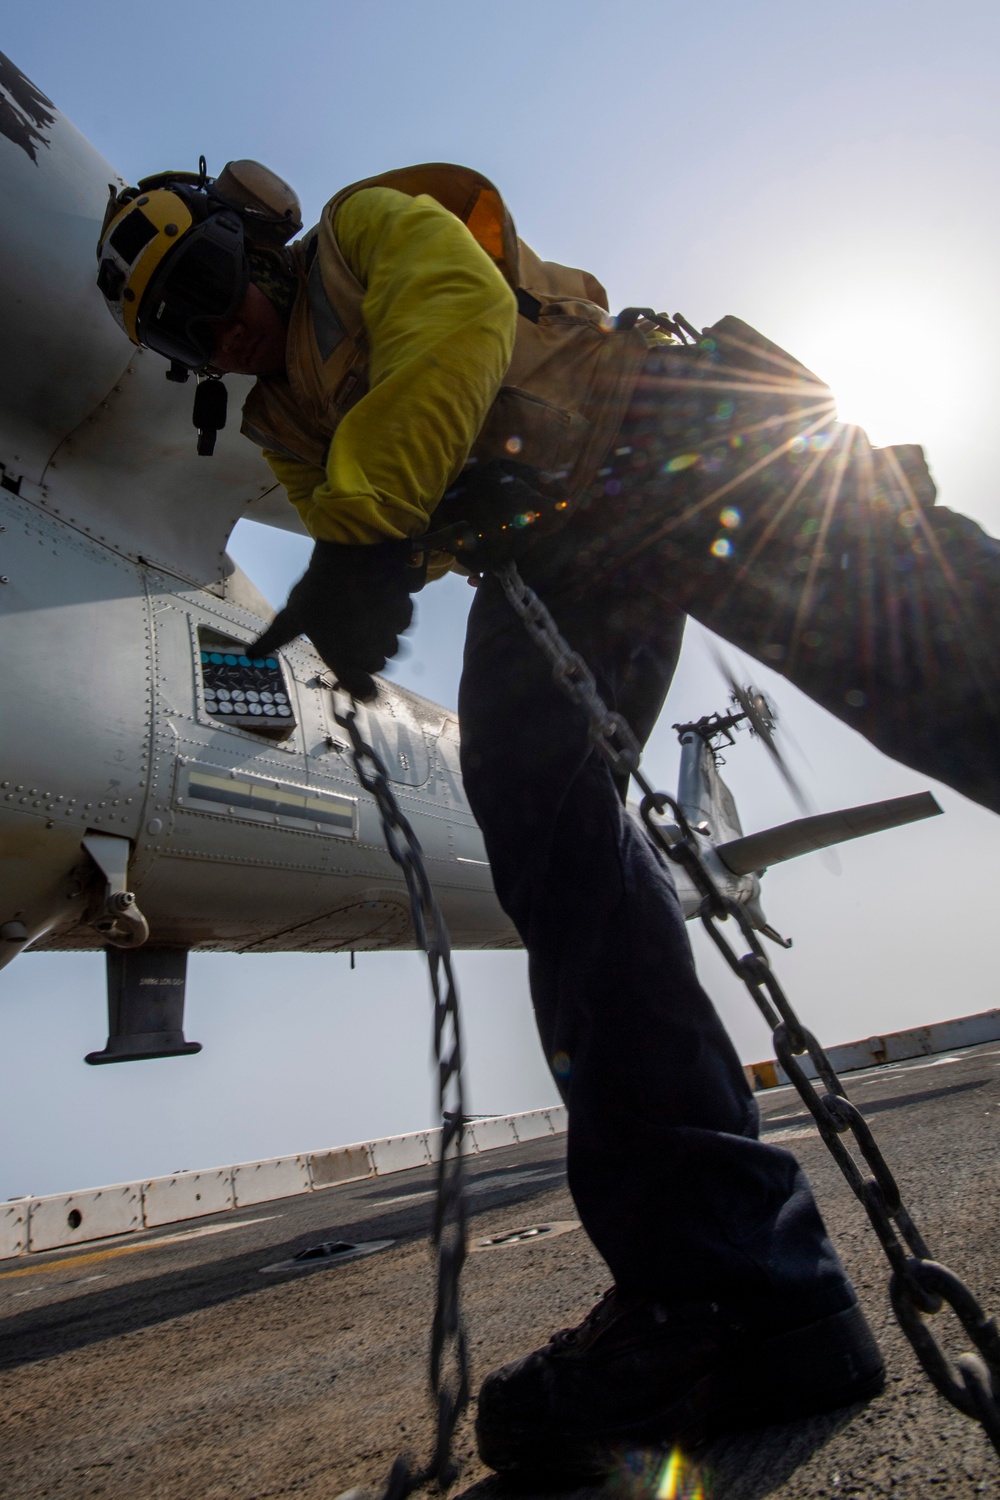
(244, 692)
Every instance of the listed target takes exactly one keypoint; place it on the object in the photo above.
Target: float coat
(437, 341)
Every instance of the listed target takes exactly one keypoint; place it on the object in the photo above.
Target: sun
(895, 367)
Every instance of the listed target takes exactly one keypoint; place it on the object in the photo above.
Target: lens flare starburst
(680, 1479)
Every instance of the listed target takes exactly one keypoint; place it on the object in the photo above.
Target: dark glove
(353, 603)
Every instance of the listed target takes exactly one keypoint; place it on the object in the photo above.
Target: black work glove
(353, 603)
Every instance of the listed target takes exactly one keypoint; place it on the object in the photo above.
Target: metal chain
(449, 1356)
(919, 1286)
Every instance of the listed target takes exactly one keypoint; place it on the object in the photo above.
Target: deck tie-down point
(325, 1250)
(327, 1253)
(531, 1234)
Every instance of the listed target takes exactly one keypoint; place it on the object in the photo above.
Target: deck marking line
(491, 1184)
(405, 1198)
(793, 1135)
(92, 1257)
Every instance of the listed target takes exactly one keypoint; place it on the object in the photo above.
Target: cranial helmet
(173, 253)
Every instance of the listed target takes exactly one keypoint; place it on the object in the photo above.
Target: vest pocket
(533, 431)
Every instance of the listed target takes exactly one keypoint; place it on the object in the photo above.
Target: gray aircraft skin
(133, 801)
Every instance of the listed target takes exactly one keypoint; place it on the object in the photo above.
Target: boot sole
(803, 1372)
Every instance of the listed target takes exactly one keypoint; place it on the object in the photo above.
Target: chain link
(449, 1357)
(919, 1286)
(609, 731)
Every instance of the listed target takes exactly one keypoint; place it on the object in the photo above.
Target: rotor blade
(764, 732)
(773, 845)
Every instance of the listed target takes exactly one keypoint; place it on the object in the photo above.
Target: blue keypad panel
(246, 692)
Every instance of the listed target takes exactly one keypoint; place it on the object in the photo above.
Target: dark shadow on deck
(742, 1466)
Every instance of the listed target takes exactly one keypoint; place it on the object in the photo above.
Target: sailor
(421, 372)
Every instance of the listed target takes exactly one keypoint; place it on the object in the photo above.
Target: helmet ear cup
(111, 280)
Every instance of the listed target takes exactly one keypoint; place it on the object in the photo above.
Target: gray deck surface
(169, 1365)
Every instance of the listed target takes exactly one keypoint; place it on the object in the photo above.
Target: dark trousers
(833, 564)
(670, 1180)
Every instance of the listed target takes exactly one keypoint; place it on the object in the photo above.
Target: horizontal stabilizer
(772, 845)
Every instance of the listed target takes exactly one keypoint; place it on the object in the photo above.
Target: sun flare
(895, 369)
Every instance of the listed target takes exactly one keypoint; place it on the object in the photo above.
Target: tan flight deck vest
(570, 377)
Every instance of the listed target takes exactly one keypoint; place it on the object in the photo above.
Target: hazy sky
(828, 174)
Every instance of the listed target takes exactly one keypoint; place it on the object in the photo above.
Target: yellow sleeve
(299, 479)
(441, 322)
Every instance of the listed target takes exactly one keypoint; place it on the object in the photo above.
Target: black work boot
(637, 1373)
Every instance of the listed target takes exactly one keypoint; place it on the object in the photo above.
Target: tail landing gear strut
(145, 1005)
(146, 984)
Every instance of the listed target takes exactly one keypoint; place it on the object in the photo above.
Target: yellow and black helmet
(172, 254)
